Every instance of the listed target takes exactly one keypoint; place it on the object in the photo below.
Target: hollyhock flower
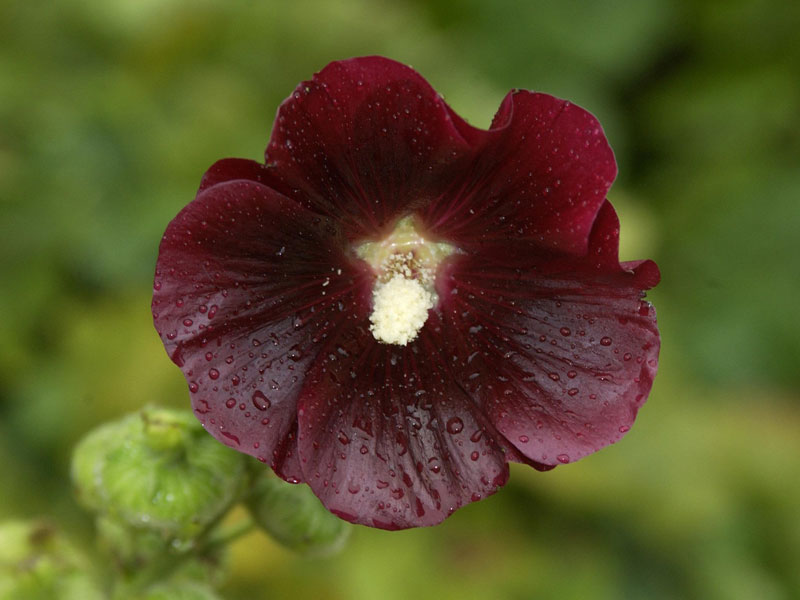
(396, 305)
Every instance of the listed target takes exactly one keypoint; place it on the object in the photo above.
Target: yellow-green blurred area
(111, 110)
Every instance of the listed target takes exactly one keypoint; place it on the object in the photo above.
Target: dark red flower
(397, 304)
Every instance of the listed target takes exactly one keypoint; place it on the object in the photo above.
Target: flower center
(405, 264)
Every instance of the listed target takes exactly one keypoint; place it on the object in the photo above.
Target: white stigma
(400, 309)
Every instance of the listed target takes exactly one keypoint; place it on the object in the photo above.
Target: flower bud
(182, 590)
(130, 547)
(157, 469)
(294, 516)
(37, 563)
(134, 549)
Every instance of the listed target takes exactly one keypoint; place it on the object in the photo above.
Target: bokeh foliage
(111, 111)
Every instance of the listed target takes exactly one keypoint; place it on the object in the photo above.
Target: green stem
(226, 535)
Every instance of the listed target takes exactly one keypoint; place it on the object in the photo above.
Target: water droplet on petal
(231, 437)
(260, 401)
(454, 425)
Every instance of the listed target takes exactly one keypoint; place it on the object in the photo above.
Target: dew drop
(624, 428)
(231, 437)
(213, 373)
(524, 439)
(563, 458)
(605, 341)
(230, 402)
(454, 425)
(260, 401)
(565, 331)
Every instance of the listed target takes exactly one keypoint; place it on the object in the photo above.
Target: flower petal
(388, 439)
(365, 141)
(565, 350)
(544, 169)
(248, 284)
(231, 169)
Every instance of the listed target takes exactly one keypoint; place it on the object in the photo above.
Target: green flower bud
(37, 563)
(182, 590)
(135, 549)
(131, 548)
(295, 517)
(157, 469)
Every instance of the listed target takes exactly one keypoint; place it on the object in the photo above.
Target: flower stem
(226, 535)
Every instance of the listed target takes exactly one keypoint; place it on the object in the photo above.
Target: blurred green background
(111, 110)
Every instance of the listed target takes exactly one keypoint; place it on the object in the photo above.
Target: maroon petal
(231, 169)
(365, 141)
(388, 439)
(544, 169)
(564, 351)
(248, 284)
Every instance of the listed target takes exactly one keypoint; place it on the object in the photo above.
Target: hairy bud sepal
(158, 470)
(295, 517)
